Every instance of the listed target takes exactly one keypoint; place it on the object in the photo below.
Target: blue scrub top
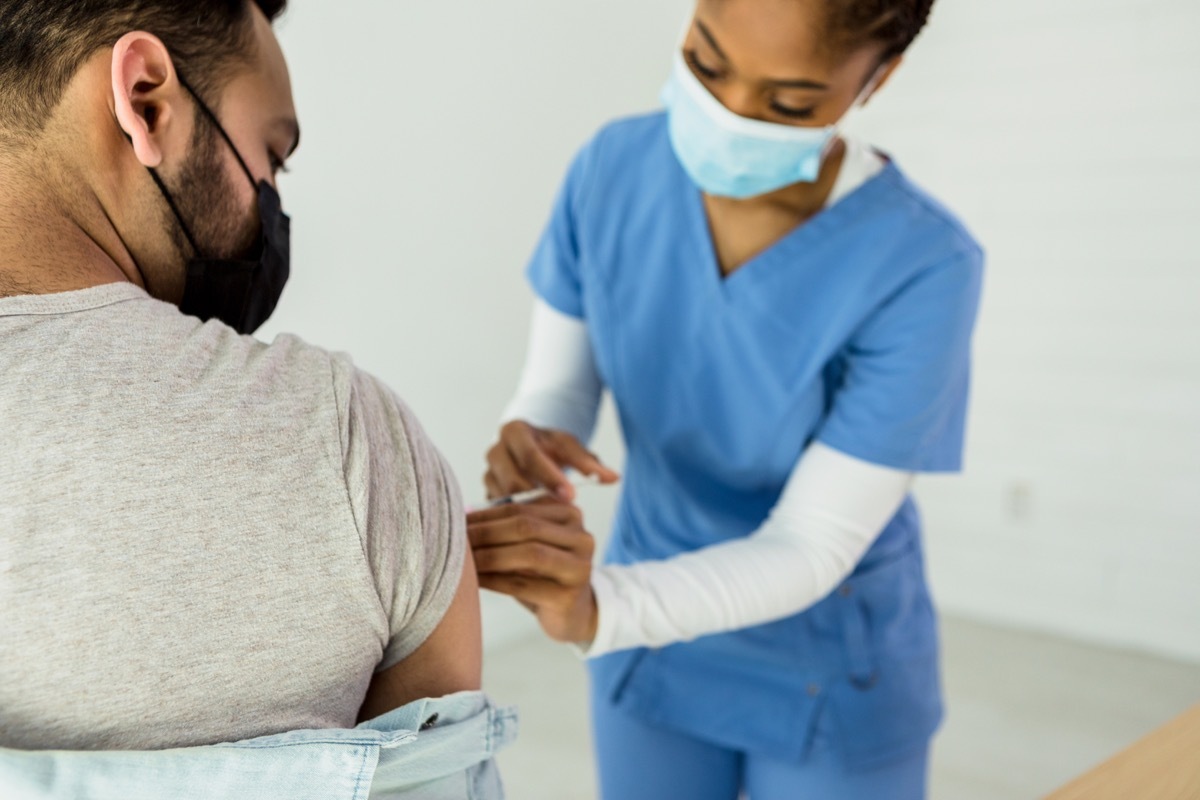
(853, 330)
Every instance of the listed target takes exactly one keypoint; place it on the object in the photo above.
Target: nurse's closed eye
(707, 72)
(793, 113)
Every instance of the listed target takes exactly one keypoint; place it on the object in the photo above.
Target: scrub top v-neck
(854, 330)
(776, 252)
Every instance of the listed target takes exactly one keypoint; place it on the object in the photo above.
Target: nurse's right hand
(527, 457)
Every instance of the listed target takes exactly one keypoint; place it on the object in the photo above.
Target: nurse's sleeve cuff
(606, 601)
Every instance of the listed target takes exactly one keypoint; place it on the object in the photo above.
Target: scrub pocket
(888, 701)
(707, 691)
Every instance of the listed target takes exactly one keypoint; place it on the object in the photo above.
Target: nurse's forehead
(777, 38)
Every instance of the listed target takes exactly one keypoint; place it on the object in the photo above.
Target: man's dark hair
(43, 43)
(895, 23)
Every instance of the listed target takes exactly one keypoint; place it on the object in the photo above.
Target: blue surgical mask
(733, 156)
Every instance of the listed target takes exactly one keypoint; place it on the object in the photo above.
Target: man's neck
(43, 248)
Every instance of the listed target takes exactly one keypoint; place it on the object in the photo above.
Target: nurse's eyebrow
(707, 34)
(784, 83)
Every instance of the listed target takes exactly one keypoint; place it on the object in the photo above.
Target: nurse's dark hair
(43, 43)
(894, 23)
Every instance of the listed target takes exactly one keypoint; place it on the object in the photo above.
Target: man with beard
(203, 538)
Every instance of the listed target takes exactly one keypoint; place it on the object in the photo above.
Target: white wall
(1063, 131)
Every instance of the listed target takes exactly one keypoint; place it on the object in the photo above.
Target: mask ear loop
(162, 188)
(871, 85)
(220, 129)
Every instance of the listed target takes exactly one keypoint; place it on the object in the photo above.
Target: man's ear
(881, 77)
(148, 97)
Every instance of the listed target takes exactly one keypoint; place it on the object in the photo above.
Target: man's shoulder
(221, 379)
(212, 357)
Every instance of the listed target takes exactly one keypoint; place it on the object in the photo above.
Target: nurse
(784, 320)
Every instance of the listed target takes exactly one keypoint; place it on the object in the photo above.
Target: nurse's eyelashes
(705, 72)
(793, 113)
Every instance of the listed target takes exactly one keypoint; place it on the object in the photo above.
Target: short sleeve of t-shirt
(407, 506)
(554, 270)
(902, 396)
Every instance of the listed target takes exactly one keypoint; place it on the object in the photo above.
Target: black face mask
(242, 294)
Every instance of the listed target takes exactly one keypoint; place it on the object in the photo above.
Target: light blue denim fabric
(384, 758)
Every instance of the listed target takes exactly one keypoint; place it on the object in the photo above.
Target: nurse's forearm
(832, 510)
(560, 387)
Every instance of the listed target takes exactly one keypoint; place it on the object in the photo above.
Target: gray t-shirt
(203, 537)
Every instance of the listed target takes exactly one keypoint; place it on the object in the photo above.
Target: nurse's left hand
(540, 554)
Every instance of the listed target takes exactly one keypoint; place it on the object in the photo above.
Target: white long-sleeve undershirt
(832, 508)
(560, 387)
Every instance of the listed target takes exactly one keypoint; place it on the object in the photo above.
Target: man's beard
(206, 195)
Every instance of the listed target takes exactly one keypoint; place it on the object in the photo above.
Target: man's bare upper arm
(449, 661)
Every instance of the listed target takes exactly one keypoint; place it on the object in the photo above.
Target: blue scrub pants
(637, 761)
